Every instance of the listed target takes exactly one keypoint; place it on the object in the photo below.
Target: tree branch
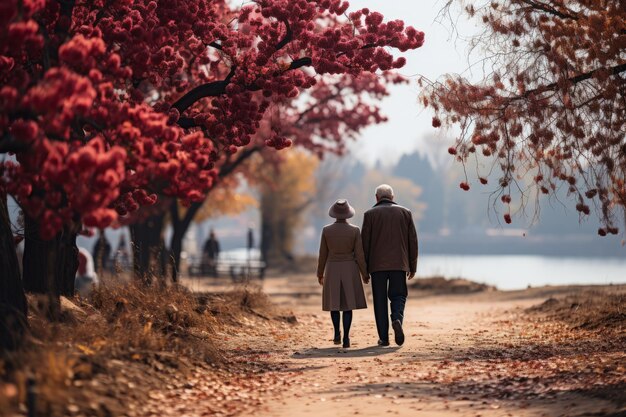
(191, 213)
(174, 213)
(66, 9)
(217, 88)
(227, 169)
(215, 45)
(550, 10)
(212, 89)
(102, 12)
(300, 62)
(187, 122)
(574, 80)
(306, 203)
(288, 37)
(91, 122)
(367, 46)
(316, 106)
(10, 144)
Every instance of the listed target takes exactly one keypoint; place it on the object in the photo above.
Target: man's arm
(366, 234)
(413, 247)
(360, 257)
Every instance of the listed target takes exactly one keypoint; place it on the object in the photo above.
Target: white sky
(442, 53)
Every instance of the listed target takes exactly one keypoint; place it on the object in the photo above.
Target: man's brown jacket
(389, 238)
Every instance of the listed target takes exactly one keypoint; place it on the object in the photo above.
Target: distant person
(253, 265)
(390, 247)
(86, 277)
(210, 253)
(122, 255)
(340, 269)
(102, 253)
(250, 242)
(19, 242)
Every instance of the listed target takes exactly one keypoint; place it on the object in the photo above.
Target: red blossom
(152, 98)
(24, 130)
(100, 218)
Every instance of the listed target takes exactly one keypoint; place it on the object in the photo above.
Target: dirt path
(464, 356)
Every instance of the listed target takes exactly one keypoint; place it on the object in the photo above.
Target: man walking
(102, 253)
(210, 252)
(390, 246)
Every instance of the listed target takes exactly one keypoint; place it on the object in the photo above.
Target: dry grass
(588, 310)
(230, 305)
(156, 319)
(108, 353)
(441, 285)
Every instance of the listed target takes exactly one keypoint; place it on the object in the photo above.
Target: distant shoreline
(438, 285)
(591, 247)
(609, 256)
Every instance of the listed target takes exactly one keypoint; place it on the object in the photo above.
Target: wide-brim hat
(341, 210)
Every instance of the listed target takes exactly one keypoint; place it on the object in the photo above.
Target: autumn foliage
(107, 105)
(551, 103)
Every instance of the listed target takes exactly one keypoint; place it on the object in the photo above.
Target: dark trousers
(388, 285)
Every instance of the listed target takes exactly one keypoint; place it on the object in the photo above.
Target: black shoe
(346, 342)
(398, 332)
(383, 342)
(337, 339)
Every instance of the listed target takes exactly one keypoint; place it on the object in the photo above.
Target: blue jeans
(388, 285)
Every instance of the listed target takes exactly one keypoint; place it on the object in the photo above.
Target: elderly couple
(385, 250)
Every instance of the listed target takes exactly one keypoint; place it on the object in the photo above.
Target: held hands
(320, 279)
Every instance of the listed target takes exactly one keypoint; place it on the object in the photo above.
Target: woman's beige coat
(341, 262)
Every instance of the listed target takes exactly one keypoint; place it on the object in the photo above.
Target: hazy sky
(442, 53)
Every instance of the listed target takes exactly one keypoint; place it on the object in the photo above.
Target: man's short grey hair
(384, 191)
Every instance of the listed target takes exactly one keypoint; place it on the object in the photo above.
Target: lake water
(518, 272)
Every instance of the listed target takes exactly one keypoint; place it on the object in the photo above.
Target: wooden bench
(239, 270)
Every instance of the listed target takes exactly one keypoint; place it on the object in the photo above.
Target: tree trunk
(176, 248)
(138, 242)
(66, 262)
(35, 259)
(147, 247)
(270, 217)
(266, 238)
(13, 307)
(278, 222)
(49, 266)
(180, 228)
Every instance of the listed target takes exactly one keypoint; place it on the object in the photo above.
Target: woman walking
(340, 268)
